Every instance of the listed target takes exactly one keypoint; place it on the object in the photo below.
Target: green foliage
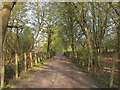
(62, 25)
(57, 45)
(9, 72)
(7, 86)
(41, 63)
(26, 39)
(83, 50)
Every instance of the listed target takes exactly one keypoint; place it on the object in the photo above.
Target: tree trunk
(6, 11)
(112, 73)
(72, 43)
(73, 49)
(118, 35)
(95, 37)
(3, 71)
(88, 40)
(48, 46)
(89, 48)
(17, 37)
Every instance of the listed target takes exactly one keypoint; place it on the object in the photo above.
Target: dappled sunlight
(57, 73)
(58, 44)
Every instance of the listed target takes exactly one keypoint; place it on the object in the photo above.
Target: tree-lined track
(85, 32)
(57, 72)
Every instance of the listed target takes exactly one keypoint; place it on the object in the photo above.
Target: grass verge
(101, 80)
(24, 76)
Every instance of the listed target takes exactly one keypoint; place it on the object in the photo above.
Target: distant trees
(89, 24)
(116, 10)
(82, 28)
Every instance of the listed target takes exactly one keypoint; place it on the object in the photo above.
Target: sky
(63, 0)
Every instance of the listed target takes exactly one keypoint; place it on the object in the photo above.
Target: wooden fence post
(112, 73)
(45, 56)
(35, 59)
(41, 57)
(25, 62)
(89, 63)
(99, 61)
(38, 59)
(31, 59)
(83, 60)
(16, 66)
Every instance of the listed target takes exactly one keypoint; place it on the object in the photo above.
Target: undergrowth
(102, 81)
(25, 75)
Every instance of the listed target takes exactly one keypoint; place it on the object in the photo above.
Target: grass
(41, 63)
(6, 87)
(102, 81)
(25, 75)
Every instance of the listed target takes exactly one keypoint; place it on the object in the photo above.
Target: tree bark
(88, 40)
(118, 35)
(90, 59)
(6, 11)
(49, 42)
(72, 39)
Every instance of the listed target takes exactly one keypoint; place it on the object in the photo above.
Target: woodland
(88, 33)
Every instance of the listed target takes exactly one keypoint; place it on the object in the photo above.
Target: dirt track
(58, 72)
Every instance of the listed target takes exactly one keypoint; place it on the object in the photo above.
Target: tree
(6, 11)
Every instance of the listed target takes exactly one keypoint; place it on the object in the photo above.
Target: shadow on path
(57, 72)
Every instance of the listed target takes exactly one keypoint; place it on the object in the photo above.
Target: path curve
(57, 72)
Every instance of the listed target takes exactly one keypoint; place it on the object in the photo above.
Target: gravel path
(57, 72)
